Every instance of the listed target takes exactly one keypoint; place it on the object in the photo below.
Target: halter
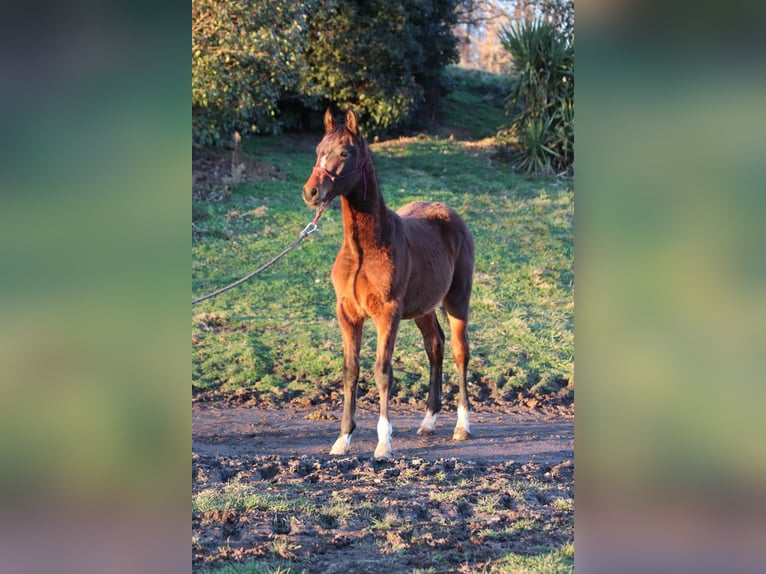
(332, 177)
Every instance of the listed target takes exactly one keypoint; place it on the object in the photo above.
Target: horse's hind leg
(458, 322)
(456, 305)
(433, 338)
(352, 342)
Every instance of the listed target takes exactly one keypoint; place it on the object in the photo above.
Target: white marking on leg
(462, 419)
(341, 445)
(428, 426)
(385, 430)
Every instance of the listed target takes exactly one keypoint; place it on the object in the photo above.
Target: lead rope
(308, 230)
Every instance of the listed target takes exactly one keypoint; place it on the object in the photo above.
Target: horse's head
(341, 158)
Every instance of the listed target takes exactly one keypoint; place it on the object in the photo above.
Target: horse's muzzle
(311, 195)
(315, 193)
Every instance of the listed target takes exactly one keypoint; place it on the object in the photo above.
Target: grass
(285, 524)
(451, 495)
(488, 503)
(384, 523)
(277, 336)
(337, 513)
(480, 92)
(524, 525)
(253, 567)
(551, 561)
(563, 504)
(241, 496)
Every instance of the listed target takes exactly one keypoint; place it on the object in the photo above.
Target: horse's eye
(344, 154)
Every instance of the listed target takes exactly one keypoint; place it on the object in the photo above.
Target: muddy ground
(265, 489)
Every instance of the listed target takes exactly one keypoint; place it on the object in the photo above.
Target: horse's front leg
(387, 324)
(351, 330)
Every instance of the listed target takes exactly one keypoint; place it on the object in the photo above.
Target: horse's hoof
(383, 454)
(424, 431)
(461, 434)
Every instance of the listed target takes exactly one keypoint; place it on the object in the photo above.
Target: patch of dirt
(437, 504)
(215, 173)
(486, 145)
(483, 395)
(497, 435)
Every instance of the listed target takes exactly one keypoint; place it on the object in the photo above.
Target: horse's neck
(366, 219)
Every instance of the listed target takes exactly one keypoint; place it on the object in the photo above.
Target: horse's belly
(425, 292)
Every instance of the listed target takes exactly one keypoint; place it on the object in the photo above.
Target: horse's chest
(366, 285)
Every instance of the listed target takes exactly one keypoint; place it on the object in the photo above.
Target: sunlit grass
(555, 561)
(563, 504)
(244, 497)
(252, 567)
(488, 503)
(277, 336)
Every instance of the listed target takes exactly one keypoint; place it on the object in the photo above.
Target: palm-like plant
(541, 102)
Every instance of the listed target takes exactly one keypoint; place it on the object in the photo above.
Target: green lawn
(475, 106)
(277, 337)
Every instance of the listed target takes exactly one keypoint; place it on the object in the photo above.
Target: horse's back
(431, 210)
(420, 217)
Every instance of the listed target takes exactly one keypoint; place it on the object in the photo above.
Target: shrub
(244, 56)
(540, 138)
(257, 65)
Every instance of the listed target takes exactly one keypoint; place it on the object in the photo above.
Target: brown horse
(391, 266)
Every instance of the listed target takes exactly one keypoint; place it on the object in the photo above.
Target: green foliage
(255, 65)
(540, 137)
(489, 86)
(245, 55)
(383, 57)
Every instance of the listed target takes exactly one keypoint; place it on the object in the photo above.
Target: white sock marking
(341, 445)
(384, 438)
(462, 419)
(429, 421)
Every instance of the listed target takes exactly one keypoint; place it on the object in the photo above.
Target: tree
(250, 61)
(244, 55)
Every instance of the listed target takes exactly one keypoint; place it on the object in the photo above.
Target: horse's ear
(329, 121)
(351, 122)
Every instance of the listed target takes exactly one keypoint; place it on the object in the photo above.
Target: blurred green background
(669, 247)
(671, 296)
(94, 215)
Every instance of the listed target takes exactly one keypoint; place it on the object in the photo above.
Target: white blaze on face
(341, 445)
(323, 162)
(462, 419)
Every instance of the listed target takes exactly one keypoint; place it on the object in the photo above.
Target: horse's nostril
(314, 191)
